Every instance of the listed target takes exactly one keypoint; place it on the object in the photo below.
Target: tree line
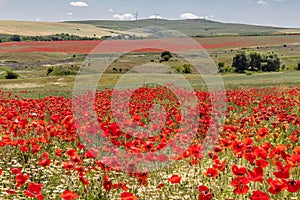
(254, 61)
(55, 37)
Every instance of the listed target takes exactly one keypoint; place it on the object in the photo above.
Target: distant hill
(100, 28)
(195, 27)
(27, 28)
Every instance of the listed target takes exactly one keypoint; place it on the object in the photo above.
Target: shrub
(49, 70)
(166, 56)
(186, 69)
(298, 66)
(11, 75)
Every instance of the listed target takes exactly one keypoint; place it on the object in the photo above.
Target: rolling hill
(27, 28)
(99, 28)
(197, 27)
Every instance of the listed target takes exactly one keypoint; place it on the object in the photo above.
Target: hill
(26, 28)
(195, 27)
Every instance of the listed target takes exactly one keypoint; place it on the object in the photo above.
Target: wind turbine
(155, 16)
(136, 15)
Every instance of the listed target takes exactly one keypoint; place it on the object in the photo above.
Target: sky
(280, 13)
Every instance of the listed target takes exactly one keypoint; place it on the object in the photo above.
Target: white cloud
(262, 2)
(70, 13)
(126, 16)
(189, 16)
(79, 4)
(110, 10)
(157, 17)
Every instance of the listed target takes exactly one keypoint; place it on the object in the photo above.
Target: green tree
(15, 38)
(255, 61)
(166, 55)
(240, 62)
(272, 62)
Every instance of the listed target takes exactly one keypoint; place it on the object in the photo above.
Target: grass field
(43, 86)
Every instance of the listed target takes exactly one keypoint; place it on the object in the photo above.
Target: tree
(272, 62)
(15, 38)
(298, 66)
(166, 55)
(240, 62)
(255, 61)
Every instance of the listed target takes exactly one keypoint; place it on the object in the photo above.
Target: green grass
(63, 85)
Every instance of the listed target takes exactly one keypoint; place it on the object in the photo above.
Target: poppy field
(45, 155)
(85, 47)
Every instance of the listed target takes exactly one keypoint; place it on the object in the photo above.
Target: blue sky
(284, 13)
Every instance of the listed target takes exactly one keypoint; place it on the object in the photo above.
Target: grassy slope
(48, 28)
(189, 27)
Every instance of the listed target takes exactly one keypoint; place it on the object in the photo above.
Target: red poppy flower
(205, 193)
(128, 196)
(283, 171)
(68, 195)
(256, 175)
(34, 190)
(211, 172)
(68, 166)
(10, 191)
(258, 195)
(263, 132)
(21, 179)
(175, 179)
(35, 148)
(238, 171)
(15, 170)
(240, 184)
(45, 162)
(0, 171)
(24, 148)
(58, 152)
(250, 157)
(238, 147)
(71, 152)
(120, 185)
(142, 178)
(261, 163)
(84, 180)
(107, 184)
(161, 185)
(293, 185)
(276, 186)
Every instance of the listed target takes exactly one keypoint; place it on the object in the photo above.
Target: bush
(166, 56)
(298, 66)
(11, 75)
(62, 70)
(186, 69)
(49, 70)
